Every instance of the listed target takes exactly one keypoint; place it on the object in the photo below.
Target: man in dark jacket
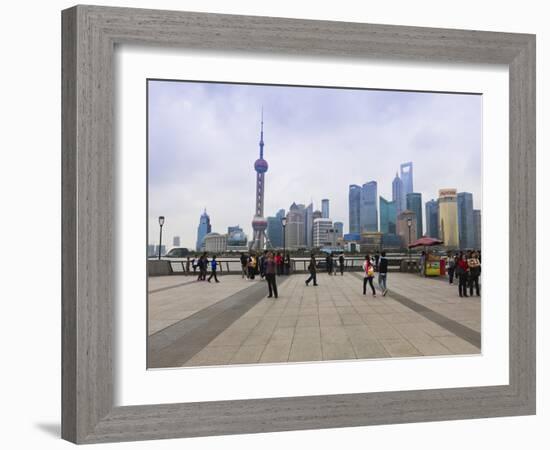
(342, 263)
(312, 271)
(383, 273)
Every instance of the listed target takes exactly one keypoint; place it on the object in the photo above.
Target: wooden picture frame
(89, 37)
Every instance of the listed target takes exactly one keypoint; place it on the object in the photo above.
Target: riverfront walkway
(233, 322)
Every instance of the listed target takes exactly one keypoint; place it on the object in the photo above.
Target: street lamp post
(409, 224)
(283, 223)
(161, 223)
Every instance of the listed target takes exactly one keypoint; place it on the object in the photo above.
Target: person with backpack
(214, 266)
(383, 273)
(251, 267)
(368, 269)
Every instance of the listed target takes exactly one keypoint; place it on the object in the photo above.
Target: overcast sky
(203, 141)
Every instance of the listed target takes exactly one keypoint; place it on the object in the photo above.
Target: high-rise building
(465, 209)
(317, 214)
(369, 207)
(414, 204)
(407, 177)
(432, 219)
(203, 229)
(324, 208)
(275, 232)
(477, 229)
(406, 232)
(259, 224)
(322, 232)
(388, 216)
(448, 218)
(354, 206)
(339, 229)
(295, 227)
(308, 223)
(398, 194)
(215, 243)
(176, 241)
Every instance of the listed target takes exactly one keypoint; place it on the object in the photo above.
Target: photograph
(290, 224)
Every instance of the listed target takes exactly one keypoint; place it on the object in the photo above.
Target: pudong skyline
(204, 137)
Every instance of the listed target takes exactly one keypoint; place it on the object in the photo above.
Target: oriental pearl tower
(259, 223)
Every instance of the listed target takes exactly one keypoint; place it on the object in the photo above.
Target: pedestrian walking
(187, 265)
(278, 263)
(342, 262)
(251, 267)
(312, 271)
(214, 267)
(475, 271)
(383, 274)
(270, 275)
(462, 273)
(451, 266)
(368, 268)
(200, 265)
(244, 265)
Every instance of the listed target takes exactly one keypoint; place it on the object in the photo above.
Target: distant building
(308, 224)
(477, 229)
(203, 229)
(369, 207)
(275, 232)
(354, 206)
(407, 177)
(465, 214)
(371, 241)
(233, 229)
(176, 241)
(448, 218)
(325, 208)
(414, 204)
(295, 227)
(352, 237)
(339, 229)
(388, 216)
(391, 242)
(215, 243)
(323, 233)
(398, 194)
(151, 250)
(237, 240)
(403, 227)
(162, 250)
(432, 219)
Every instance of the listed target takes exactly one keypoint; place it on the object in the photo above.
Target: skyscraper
(308, 223)
(324, 208)
(414, 204)
(275, 231)
(388, 216)
(407, 177)
(465, 208)
(432, 219)
(368, 213)
(477, 229)
(448, 218)
(295, 227)
(398, 194)
(322, 232)
(354, 206)
(339, 229)
(203, 229)
(259, 224)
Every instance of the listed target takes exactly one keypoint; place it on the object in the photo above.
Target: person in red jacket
(462, 270)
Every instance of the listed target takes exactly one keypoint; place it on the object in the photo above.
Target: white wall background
(30, 222)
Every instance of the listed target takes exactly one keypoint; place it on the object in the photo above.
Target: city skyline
(290, 136)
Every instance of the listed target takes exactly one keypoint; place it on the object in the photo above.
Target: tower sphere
(261, 165)
(259, 223)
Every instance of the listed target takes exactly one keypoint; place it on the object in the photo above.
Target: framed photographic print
(255, 209)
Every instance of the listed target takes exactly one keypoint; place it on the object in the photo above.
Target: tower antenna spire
(262, 135)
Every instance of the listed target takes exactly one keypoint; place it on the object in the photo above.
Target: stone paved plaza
(233, 322)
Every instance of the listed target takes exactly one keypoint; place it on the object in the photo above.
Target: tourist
(462, 273)
(451, 265)
(422, 264)
(214, 266)
(270, 275)
(312, 271)
(244, 265)
(205, 266)
(187, 265)
(368, 268)
(278, 263)
(200, 264)
(261, 264)
(475, 270)
(194, 264)
(376, 261)
(328, 261)
(251, 267)
(287, 264)
(342, 263)
(383, 273)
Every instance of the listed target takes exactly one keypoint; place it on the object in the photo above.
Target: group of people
(202, 265)
(252, 264)
(466, 266)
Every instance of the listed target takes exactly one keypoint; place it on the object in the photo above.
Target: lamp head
(161, 220)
